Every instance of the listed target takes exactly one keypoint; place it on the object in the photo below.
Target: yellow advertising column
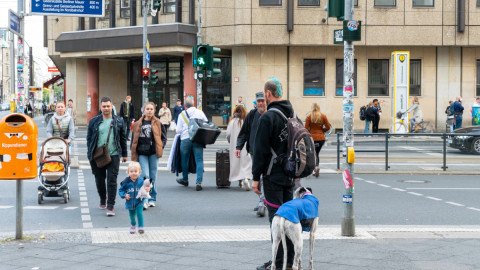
(400, 79)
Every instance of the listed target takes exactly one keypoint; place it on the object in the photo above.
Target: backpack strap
(185, 118)
(272, 161)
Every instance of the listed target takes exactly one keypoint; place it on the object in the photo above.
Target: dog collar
(306, 193)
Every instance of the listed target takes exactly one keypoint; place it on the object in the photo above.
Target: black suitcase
(223, 169)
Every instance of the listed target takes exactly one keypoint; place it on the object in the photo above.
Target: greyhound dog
(292, 217)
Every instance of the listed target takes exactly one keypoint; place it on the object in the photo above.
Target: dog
(142, 193)
(293, 217)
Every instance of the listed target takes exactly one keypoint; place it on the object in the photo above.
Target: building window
(355, 3)
(270, 2)
(314, 77)
(308, 2)
(125, 8)
(107, 12)
(378, 77)
(423, 3)
(478, 78)
(339, 78)
(416, 77)
(169, 6)
(478, 3)
(385, 3)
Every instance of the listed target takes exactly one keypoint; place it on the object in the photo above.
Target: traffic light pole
(348, 222)
(144, 83)
(199, 41)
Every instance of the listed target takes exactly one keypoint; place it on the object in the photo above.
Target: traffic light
(201, 56)
(146, 75)
(153, 77)
(336, 8)
(212, 61)
(156, 5)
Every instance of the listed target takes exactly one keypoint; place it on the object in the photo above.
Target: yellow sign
(35, 89)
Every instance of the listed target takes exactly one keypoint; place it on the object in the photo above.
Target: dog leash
(270, 204)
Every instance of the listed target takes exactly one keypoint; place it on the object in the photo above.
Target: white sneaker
(151, 204)
(145, 206)
(246, 184)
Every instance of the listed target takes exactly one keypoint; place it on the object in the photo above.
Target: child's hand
(148, 188)
(127, 196)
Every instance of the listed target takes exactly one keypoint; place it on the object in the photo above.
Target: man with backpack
(278, 128)
(457, 109)
(369, 117)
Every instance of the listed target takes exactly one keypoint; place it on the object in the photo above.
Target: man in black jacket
(369, 117)
(272, 136)
(247, 135)
(127, 113)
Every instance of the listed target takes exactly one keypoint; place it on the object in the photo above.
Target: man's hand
(256, 187)
(237, 153)
(127, 197)
(124, 159)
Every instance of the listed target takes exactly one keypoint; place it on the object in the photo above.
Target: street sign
(35, 88)
(338, 36)
(53, 69)
(14, 22)
(147, 57)
(83, 8)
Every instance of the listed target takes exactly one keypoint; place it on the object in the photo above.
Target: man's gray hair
(189, 102)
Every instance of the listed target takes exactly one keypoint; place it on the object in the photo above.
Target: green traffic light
(201, 61)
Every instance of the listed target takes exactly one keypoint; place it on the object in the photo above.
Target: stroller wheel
(65, 197)
(40, 197)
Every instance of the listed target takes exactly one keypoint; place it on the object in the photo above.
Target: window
(378, 77)
(125, 8)
(478, 3)
(478, 78)
(355, 3)
(339, 78)
(308, 2)
(107, 12)
(270, 2)
(385, 3)
(169, 6)
(415, 77)
(423, 3)
(314, 77)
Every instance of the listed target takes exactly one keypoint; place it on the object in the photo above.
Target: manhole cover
(414, 181)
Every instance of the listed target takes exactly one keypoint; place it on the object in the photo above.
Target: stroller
(54, 169)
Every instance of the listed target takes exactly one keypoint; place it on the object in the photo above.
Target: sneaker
(133, 229)
(141, 230)
(261, 211)
(246, 184)
(317, 172)
(182, 182)
(103, 206)
(199, 187)
(145, 206)
(110, 212)
(151, 204)
(256, 208)
(265, 266)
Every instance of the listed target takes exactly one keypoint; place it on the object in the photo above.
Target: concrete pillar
(189, 84)
(92, 88)
(449, 80)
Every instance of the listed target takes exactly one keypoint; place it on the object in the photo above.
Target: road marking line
(83, 193)
(456, 204)
(433, 198)
(358, 178)
(5, 206)
(416, 194)
(399, 189)
(84, 204)
(370, 182)
(81, 188)
(87, 225)
(83, 198)
(446, 188)
(40, 207)
(85, 210)
(382, 185)
(86, 218)
(473, 208)
(70, 208)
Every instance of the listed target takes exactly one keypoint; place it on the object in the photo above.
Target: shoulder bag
(62, 134)
(101, 156)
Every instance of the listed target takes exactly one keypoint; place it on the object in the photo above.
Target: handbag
(101, 156)
(62, 134)
(201, 131)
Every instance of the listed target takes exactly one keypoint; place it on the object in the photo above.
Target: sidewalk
(204, 248)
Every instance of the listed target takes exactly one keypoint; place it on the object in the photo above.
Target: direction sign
(80, 8)
(147, 57)
(14, 22)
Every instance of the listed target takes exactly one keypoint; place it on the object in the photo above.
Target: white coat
(240, 168)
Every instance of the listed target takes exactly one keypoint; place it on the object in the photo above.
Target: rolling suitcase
(223, 169)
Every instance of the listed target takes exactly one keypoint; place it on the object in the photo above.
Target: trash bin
(476, 115)
(18, 147)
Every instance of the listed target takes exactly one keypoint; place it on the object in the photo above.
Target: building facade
(289, 39)
(5, 71)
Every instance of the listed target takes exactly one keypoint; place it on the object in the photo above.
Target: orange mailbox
(18, 147)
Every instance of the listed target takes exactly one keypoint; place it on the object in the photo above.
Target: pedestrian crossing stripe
(40, 207)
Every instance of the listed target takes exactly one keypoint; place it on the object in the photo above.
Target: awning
(52, 81)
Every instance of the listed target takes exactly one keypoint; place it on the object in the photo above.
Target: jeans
(149, 165)
(127, 121)
(138, 211)
(318, 147)
(458, 122)
(413, 123)
(109, 173)
(186, 147)
(279, 194)
(367, 126)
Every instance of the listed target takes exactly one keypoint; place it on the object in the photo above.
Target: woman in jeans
(149, 139)
(317, 123)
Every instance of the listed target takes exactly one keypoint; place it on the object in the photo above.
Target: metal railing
(387, 136)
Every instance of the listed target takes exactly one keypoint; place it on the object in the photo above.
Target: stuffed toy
(142, 193)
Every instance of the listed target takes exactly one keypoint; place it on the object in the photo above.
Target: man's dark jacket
(131, 114)
(118, 131)
(244, 135)
(369, 114)
(271, 133)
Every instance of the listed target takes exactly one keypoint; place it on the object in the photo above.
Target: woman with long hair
(417, 114)
(149, 139)
(240, 168)
(317, 123)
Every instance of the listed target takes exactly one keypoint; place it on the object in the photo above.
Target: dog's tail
(284, 242)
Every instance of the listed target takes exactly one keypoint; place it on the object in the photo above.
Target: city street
(419, 219)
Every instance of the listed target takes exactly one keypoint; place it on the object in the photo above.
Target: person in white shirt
(187, 146)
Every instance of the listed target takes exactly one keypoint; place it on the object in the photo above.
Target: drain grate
(414, 181)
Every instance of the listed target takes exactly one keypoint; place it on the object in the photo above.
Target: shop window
(270, 2)
(385, 3)
(423, 3)
(217, 99)
(378, 77)
(416, 77)
(169, 6)
(308, 2)
(125, 8)
(478, 78)
(314, 77)
(339, 78)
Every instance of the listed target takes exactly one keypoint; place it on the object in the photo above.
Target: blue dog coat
(300, 211)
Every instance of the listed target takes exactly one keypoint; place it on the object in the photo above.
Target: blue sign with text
(81, 8)
(14, 22)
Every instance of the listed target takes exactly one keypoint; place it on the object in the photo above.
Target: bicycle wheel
(427, 128)
(398, 128)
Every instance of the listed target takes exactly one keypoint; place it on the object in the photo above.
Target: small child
(128, 190)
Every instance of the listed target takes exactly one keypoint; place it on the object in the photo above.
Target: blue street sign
(14, 22)
(147, 57)
(81, 8)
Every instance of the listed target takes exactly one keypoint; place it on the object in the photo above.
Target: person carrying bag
(101, 155)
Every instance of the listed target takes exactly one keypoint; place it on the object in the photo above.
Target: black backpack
(363, 113)
(300, 159)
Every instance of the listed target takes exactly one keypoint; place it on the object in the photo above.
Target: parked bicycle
(401, 127)
(47, 118)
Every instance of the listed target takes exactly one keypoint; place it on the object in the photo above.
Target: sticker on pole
(347, 199)
(347, 179)
(352, 25)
